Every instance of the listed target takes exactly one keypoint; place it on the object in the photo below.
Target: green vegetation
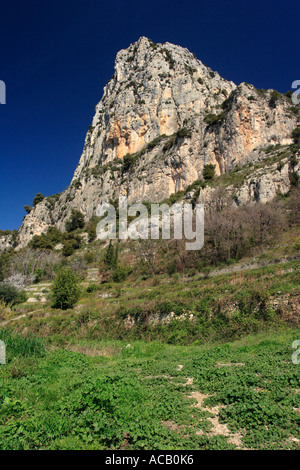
(70, 245)
(70, 241)
(214, 118)
(28, 209)
(76, 221)
(65, 290)
(38, 198)
(21, 346)
(296, 135)
(10, 295)
(209, 171)
(114, 395)
(158, 346)
(275, 96)
(174, 138)
(190, 70)
(168, 57)
(130, 160)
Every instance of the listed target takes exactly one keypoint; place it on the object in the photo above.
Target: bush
(214, 118)
(69, 248)
(294, 178)
(111, 256)
(22, 297)
(10, 295)
(71, 243)
(40, 242)
(28, 209)
(119, 274)
(76, 221)
(93, 288)
(38, 198)
(65, 291)
(129, 161)
(4, 265)
(296, 135)
(47, 241)
(209, 171)
(275, 96)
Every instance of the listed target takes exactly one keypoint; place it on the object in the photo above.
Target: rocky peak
(163, 116)
(156, 89)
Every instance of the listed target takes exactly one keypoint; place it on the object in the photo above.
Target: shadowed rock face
(162, 117)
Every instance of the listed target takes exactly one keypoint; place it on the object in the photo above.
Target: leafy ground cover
(150, 395)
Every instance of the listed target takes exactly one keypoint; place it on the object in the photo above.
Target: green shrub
(65, 291)
(40, 242)
(8, 294)
(128, 162)
(93, 288)
(275, 96)
(4, 265)
(111, 256)
(28, 209)
(76, 221)
(120, 273)
(69, 247)
(38, 198)
(296, 135)
(213, 118)
(48, 240)
(184, 132)
(209, 171)
(21, 297)
(294, 178)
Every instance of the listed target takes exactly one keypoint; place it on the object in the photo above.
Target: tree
(28, 209)
(76, 221)
(209, 171)
(8, 294)
(111, 256)
(38, 198)
(275, 96)
(296, 135)
(65, 291)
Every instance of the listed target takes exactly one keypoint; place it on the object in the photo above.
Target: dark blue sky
(56, 57)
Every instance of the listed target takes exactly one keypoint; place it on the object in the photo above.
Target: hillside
(143, 344)
(163, 117)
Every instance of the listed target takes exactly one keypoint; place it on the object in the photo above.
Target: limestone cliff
(162, 117)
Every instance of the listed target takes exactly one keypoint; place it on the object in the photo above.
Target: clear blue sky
(56, 57)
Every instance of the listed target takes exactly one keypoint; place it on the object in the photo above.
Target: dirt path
(218, 429)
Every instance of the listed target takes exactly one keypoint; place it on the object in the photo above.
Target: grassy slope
(224, 307)
(221, 379)
(100, 385)
(243, 394)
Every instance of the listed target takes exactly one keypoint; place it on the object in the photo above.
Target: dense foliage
(65, 290)
(144, 396)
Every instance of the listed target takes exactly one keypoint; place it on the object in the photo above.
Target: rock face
(162, 117)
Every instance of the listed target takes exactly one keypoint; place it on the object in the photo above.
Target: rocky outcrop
(6, 241)
(162, 117)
